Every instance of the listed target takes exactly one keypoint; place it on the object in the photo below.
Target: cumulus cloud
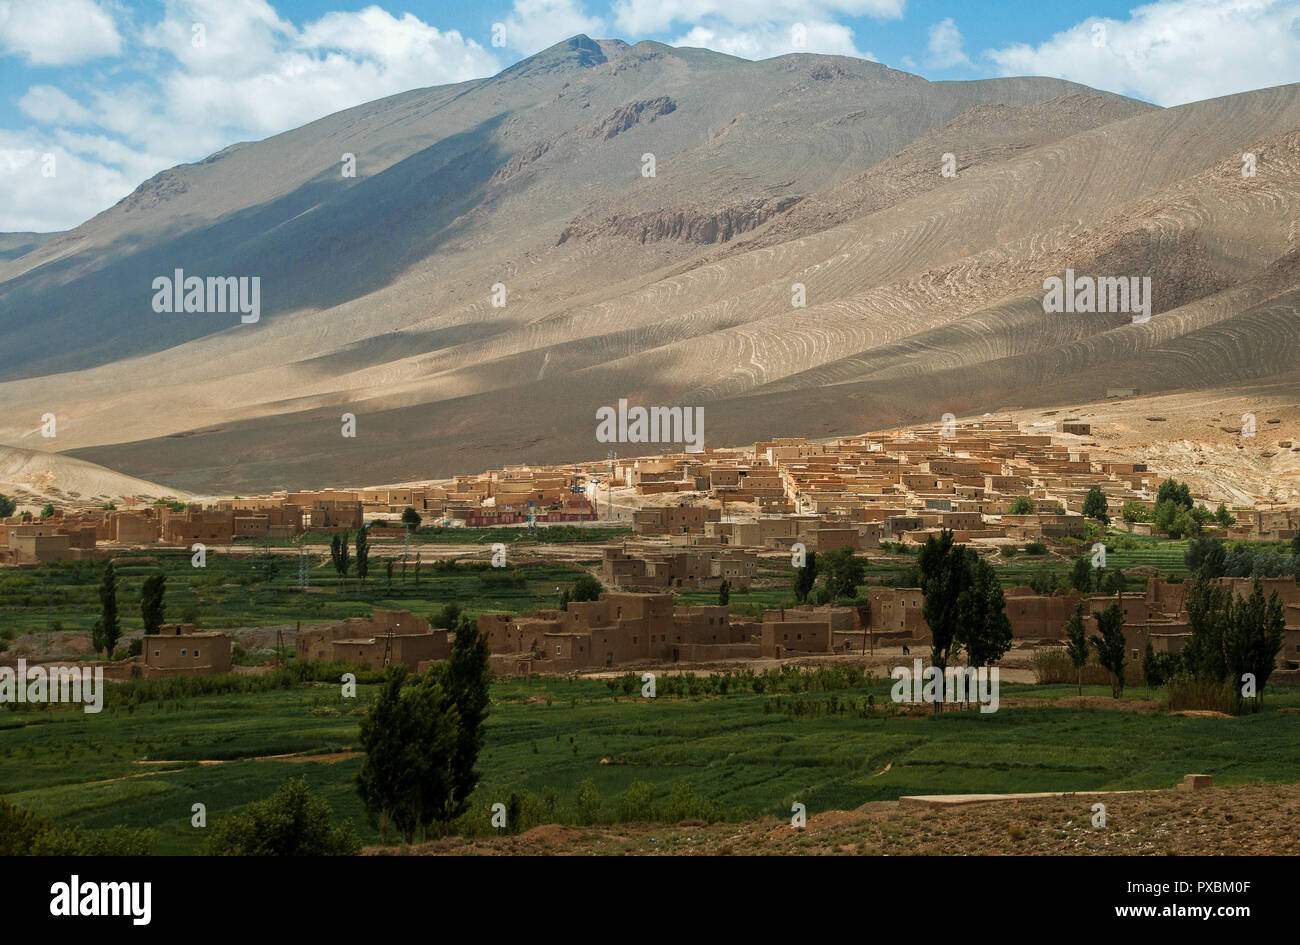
(44, 186)
(1171, 52)
(945, 47)
(535, 24)
(637, 17)
(766, 40)
(57, 32)
(213, 72)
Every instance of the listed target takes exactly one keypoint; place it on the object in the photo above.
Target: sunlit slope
(923, 293)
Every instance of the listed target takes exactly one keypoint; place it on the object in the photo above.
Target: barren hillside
(923, 292)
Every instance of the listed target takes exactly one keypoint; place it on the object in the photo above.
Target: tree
(152, 608)
(1176, 492)
(7, 506)
(363, 553)
(1109, 581)
(1081, 574)
(1022, 506)
(1224, 517)
(1076, 643)
(1206, 557)
(805, 577)
(724, 593)
(1044, 581)
(411, 519)
(1158, 668)
(1208, 617)
(985, 630)
(435, 731)
(942, 566)
(466, 678)
(1256, 632)
(388, 571)
(586, 588)
(1094, 505)
(844, 572)
(340, 555)
(405, 778)
(1109, 644)
(47, 510)
(292, 822)
(1135, 512)
(106, 631)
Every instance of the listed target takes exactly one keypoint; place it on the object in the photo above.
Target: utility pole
(609, 485)
(388, 644)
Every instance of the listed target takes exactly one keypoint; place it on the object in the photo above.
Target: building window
(558, 651)
(196, 654)
(182, 652)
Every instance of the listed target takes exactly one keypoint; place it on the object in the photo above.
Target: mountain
(924, 292)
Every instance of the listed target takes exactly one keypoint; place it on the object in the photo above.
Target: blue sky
(99, 95)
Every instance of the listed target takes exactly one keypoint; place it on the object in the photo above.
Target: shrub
(78, 841)
(1184, 691)
(637, 803)
(292, 822)
(587, 803)
(22, 833)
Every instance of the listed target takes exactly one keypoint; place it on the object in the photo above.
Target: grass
(553, 733)
(239, 591)
(437, 534)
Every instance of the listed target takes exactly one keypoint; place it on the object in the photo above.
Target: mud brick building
(674, 520)
(178, 649)
(792, 633)
(197, 524)
(397, 636)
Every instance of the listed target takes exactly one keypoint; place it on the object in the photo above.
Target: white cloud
(766, 40)
(534, 25)
(637, 17)
(77, 190)
(57, 32)
(47, 104)
(945, 48)
(1172, 52)
(253, 75)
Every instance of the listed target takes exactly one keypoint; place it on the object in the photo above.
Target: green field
(239, 591)
(553, 733)
(387, 535)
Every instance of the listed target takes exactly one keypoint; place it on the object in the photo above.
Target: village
(718, 521)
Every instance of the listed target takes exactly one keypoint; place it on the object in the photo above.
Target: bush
(587, 803)
(1052, 665)
(1035, 548)
(292, 822)
(22, 833)
(1185, 691)
(637, 803)
(78, 841)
